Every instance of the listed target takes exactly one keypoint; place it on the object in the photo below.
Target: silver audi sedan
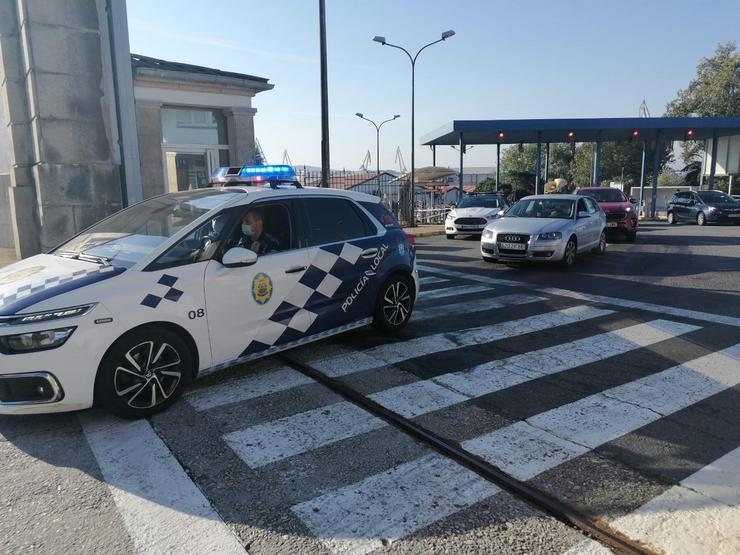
(554, 228)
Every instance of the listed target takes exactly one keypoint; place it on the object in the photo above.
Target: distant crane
(366, 162)
(399, 160)
(286, 158)
(644, 112)
(259, 156)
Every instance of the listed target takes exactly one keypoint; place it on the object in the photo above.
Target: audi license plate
(513, 246)
(611, 224)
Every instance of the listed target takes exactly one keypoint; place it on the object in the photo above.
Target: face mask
(247, 230)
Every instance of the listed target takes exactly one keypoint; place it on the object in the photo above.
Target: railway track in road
(591, 527)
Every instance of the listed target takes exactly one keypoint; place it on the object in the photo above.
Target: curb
(426, 233)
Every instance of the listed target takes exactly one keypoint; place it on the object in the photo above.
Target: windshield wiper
(86, 257)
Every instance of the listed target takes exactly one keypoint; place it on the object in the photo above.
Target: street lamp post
(377, 138)
(412, 59)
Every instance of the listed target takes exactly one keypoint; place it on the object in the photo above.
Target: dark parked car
(703, 207)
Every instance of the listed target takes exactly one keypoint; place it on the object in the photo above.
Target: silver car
(546, 227)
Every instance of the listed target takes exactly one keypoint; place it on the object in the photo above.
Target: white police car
(473, 214)
(126, 313)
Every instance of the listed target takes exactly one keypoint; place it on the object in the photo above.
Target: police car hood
(475, 212)
(41, 277)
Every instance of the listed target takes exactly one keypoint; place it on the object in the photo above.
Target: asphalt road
(611, 387)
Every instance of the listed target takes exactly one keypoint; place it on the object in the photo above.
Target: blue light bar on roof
(267, 173)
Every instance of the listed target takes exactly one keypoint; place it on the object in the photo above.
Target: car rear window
(382, 214)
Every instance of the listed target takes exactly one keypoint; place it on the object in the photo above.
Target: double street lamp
(377, 138)
(412, 59)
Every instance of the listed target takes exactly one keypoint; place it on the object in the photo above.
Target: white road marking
(528, 448)
(162, 509)
(623, 303)
(249, 387)
(266, 443)
(478, 305)
(273, 441)
(700, 515)
(356, 519)
(429, 280)
(452, 291)
(500, 374)
(391, 353)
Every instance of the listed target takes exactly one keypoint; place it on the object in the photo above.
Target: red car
(621, 213)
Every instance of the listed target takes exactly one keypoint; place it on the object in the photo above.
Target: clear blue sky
(509, 59)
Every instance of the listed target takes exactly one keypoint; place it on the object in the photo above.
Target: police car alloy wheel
(143, 373)
(394, 304)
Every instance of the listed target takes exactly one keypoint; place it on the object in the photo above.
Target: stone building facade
(86, 128)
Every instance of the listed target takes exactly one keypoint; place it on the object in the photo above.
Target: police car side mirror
(237, 257)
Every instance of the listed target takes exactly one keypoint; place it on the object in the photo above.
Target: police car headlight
(34, 341)
(49, 315)
(550, 236)
(488, 234)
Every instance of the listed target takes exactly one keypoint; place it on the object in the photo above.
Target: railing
(431, 215)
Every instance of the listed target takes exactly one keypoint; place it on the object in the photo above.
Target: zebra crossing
(397, 502)
(626, 415)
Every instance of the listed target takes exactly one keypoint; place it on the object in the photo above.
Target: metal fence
(431, 204)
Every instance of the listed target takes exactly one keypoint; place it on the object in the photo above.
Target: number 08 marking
(193, 314)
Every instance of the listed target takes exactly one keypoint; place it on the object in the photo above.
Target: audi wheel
(571, 252)
(143, 373)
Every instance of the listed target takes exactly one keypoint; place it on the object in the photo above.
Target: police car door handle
(369, 253)
(295, 269)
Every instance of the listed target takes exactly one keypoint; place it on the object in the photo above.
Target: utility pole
(324, 98)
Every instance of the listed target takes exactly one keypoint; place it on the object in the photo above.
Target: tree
(488, 185)
(715, 91)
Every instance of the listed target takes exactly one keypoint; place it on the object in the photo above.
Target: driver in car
(254, 236)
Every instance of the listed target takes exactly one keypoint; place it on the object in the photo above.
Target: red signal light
(635, 134)
(689, 133)
(571, 135)
(500, 135)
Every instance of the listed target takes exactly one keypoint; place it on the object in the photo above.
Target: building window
(193, 126)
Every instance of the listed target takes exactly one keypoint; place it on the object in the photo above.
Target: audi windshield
(542, 208)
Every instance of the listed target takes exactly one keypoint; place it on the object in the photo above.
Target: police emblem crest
(261, 288)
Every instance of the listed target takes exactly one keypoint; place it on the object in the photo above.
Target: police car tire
(109, 388)
(383, 318)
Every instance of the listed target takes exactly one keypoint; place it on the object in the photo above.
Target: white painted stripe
(356, 519)
(273, 441)
(249, 387)
(391, 353)
(162, 509)
(623, 303)
(452, 291)
(292, 435)
(478, 305)
(429, 280)
(589, 547)
(528, 448)
(500, 374)
(700, 515)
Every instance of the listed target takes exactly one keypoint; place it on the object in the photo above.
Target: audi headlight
(550, 236)
(48, 315)
(34, 341)
(487, 234)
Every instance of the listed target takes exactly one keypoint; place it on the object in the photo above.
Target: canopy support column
(462, 153)
(434, 155)
(642, 179)
(537, 164)
(654, 177)
(498, 164)
(597, 164)
(713, 167)
(547, 162)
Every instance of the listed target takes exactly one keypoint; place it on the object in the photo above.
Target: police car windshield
(542, 208)
(128, 236)
(479, 201)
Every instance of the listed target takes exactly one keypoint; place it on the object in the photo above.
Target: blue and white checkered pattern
(172, 294)
(291, 320)
(54, 281)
